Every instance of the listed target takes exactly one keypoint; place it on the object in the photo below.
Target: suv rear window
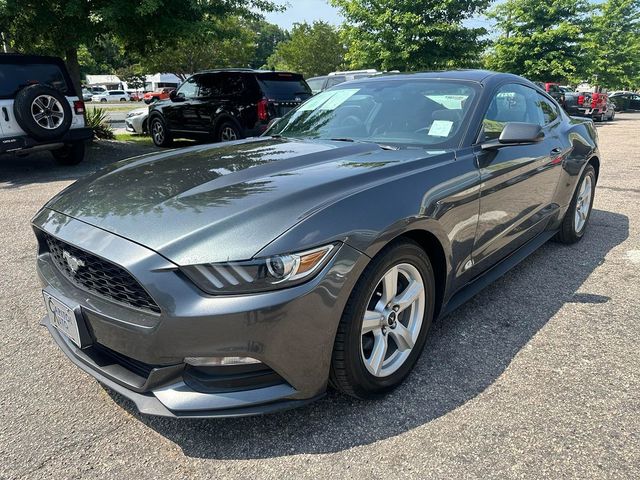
(284, 86)
(13, 77)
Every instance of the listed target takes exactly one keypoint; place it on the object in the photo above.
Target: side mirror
(173, 95)
(517, 133)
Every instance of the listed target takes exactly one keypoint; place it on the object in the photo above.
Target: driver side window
(511, 103)
(188, 89)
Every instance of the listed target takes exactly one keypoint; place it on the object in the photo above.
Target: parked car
(136, 121)
(135, 96)
(626, 101)
(586, 104)
(40, 109)
(610, 112)
(222, 105)
(162, 94)
(243, 278)
(87, 95)
(554, 90)
(320, 84)
(111, 96)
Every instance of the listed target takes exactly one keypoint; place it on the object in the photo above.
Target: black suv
(40, 109)
(225, 105)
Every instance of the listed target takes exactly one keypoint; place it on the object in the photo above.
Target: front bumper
(290, 331)
(25, 142)
(136, 124)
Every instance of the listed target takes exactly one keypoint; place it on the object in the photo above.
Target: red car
(587, 104)
(161, 94)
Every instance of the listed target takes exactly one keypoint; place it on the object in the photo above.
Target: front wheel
(159, 134)
(574, 223)
(385, 322)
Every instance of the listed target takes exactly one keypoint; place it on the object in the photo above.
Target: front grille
(99, 276)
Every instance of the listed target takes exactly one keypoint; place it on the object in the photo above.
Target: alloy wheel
(393, 319)
(157, 130)
(228, 134)
(583, 204)
(47, 112)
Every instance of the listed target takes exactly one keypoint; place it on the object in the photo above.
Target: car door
(634, 102)
(175, 111)
(206, 105)
(518, 182)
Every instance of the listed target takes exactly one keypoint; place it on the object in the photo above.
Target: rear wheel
(575, 221)
(385, 322)
(159, 133)
(227, 131)
(71, 154)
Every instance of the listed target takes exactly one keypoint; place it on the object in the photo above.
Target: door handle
(6, 114)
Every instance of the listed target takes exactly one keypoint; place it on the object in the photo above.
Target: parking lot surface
(537, 377)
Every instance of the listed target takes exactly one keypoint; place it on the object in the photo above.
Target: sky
(304, 10)
(309, 10)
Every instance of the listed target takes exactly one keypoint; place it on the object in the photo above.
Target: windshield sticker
(440, 128)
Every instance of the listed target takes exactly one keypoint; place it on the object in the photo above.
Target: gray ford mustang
(246, 277)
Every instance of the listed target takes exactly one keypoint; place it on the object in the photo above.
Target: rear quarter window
(14, 77)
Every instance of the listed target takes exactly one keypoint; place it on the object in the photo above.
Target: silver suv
(39, 108)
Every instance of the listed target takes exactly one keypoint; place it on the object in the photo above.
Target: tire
(103, 100)
(42, 112)
(159, 133)
(352, 363)
(571, 230)
(123, 99)
(71, 154)
(227, 131)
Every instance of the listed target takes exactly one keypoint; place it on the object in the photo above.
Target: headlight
(261, 274)
(135, 114)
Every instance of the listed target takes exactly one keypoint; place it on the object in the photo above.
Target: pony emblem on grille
(73, 262)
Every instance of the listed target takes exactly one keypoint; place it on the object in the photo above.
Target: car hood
(226, 202)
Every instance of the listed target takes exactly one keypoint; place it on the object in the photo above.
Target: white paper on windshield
(440, 128)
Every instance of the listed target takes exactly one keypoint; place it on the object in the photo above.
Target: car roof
(243, 70)
(479, 76)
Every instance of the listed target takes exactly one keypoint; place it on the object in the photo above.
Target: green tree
(220, 43)
(60, 27)
(540, 40)
(411, 35)
(312, 49)
(268, 36)
(613, 44)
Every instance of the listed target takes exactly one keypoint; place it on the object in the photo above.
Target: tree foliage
(411, 34)
(312, 49)
(613, 45)
(540, 40)
(62, 26)
(227, 42)
(268, 36)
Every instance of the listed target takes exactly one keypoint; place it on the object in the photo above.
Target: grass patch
(138, 139)
(115, 107)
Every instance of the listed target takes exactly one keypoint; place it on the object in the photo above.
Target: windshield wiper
(381, 145)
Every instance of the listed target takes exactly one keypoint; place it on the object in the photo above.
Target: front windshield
(393, 111)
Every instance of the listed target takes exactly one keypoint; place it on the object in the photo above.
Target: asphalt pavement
(537, 377)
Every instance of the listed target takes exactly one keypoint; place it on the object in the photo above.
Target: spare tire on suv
(42, 112)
